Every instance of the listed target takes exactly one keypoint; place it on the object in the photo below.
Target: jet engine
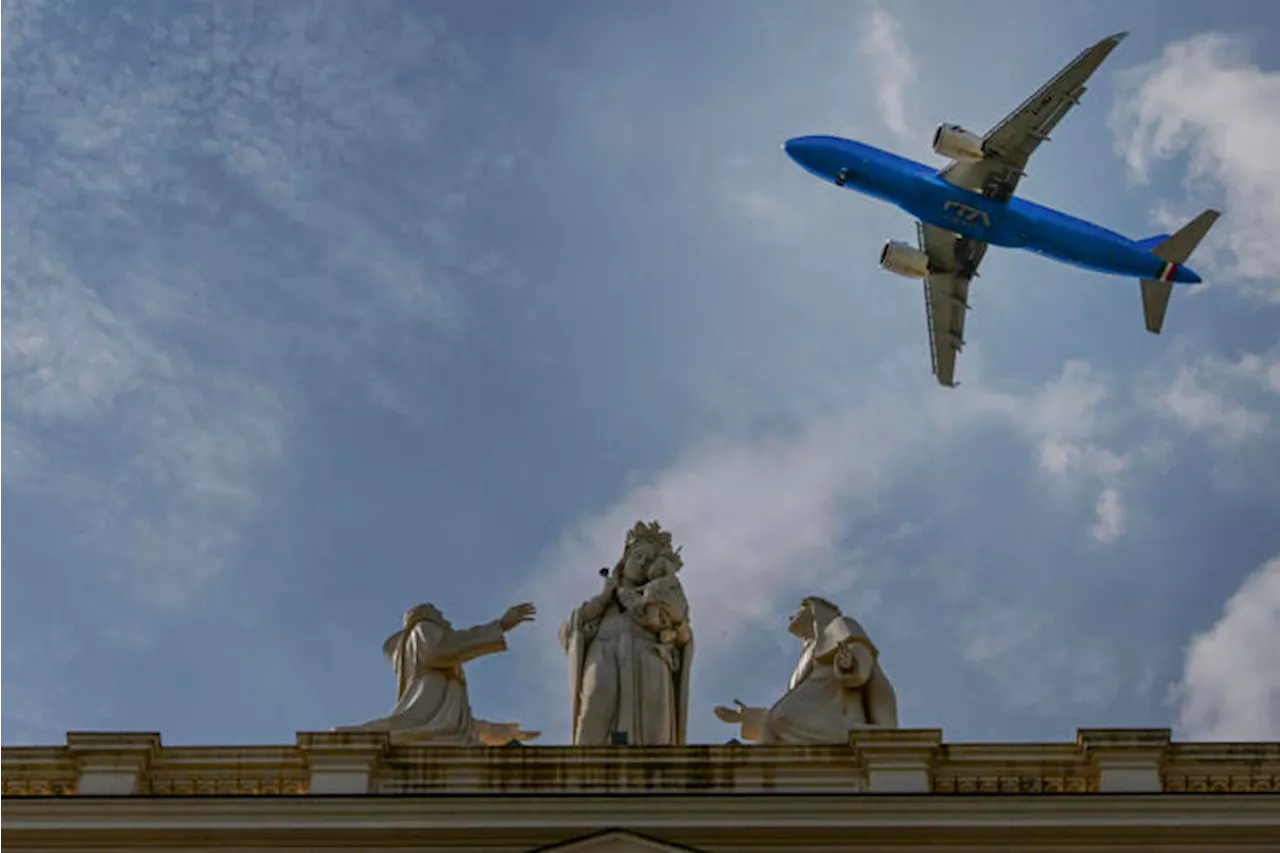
(954, 142)
(904, 259)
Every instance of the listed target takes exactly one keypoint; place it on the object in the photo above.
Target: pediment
(615, 841)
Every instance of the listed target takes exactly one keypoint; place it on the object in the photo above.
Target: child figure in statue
(655, 613)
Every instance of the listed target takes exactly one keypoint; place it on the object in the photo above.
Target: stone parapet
(38, 771)
(906, 761)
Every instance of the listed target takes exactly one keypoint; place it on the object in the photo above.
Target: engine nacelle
(955, 143)
(904, 259)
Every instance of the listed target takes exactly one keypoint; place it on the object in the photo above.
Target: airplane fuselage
(1018, 223)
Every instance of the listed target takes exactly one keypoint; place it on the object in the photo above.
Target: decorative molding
(1035, 783)
(246, 771)
(973, 768)
(112, 763)
(1221, 768)
(1222, 784)
(38, 771)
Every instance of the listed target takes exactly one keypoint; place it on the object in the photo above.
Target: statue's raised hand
(731, 715)
(515, 615)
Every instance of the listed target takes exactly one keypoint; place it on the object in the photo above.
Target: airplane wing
(953, 262)
(1011, 143)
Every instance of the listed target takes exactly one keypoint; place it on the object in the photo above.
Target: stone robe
(837, 686)
(433, 704)
(623, 677)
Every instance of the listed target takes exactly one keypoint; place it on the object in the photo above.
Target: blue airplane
(969, 204)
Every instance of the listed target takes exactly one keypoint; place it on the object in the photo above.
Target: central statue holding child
(630, 649)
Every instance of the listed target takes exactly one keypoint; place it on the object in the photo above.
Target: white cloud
(768, 514)
(141, 386)
(1230, 687)
(1066, 420)
(999, 633)
(21, 22)
(1034, 662)
(1110, 517)
(893, 70)
(779, 220)
(1202, 99)
(1198, 408)
(758, 520)
(180, 449)
(1264, 369)
(155, 459)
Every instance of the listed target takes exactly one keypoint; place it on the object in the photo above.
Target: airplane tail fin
(1174, 249)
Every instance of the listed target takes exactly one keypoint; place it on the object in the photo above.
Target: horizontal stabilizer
(1155, 300)
(1174, 250)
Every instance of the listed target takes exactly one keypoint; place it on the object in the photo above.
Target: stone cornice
(722, 821)
(881, 761)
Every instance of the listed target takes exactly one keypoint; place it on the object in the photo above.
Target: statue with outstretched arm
(837, 687)
(428, 655)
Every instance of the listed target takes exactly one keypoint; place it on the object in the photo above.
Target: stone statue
(630, 649)
(837, 686)
(432, 705)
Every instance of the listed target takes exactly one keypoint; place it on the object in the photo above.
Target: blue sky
(313, 311)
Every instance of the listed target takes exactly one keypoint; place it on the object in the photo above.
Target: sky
(315, 311)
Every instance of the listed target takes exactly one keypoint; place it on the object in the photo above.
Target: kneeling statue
(837, 687)
(432, 704)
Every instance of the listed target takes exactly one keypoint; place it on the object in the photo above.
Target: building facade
(885, 790)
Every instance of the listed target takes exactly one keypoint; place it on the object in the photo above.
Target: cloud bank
(1202, 100)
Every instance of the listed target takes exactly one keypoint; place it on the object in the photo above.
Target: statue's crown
(654, 533)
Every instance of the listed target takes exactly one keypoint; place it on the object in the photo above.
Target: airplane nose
(811, 153)
(800, 149)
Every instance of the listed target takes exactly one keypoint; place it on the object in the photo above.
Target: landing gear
(966, 256)
(1000, 185)
(842, 177)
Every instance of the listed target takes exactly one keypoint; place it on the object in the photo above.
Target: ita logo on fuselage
(960, 213)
